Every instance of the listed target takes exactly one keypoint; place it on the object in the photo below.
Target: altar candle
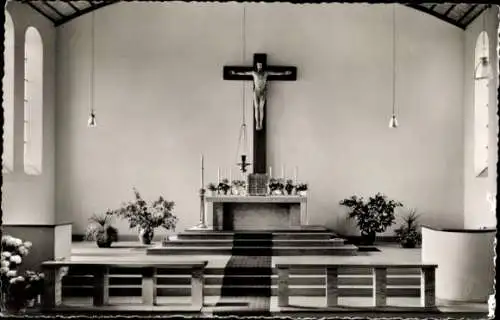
(295, 175)
(283, 172)
(270, 172)
(230, 175)
(202, 178)
(218, 175)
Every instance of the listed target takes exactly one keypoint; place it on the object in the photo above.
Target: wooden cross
(274, 73)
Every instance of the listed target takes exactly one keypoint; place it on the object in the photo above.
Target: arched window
(8, 97)
(481, 99)
(33, 102)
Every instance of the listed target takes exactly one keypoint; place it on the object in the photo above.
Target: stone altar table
(258, 212)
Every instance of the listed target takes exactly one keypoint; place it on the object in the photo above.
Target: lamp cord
(243, 128)
(394, 60)
(92, 66)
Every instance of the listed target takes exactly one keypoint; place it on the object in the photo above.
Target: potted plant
(19, 291)
(224, 186)
(276, 186)
(101, 231)
(212, 188)
(237, 187)
(148, 217)
(289, 186)
(372, 216)
(301, 189)
(408, 234)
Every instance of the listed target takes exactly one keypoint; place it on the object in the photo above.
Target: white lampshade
(92, 122)
(483, 69)
(393, 123)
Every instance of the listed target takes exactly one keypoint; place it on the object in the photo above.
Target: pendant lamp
(393, 123)
(92, 119)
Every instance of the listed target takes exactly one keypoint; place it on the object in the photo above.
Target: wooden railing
(56, 270)
(379, 284)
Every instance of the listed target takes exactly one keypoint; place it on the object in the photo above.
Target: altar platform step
(186, 242)
(345, 250)
(276, 235)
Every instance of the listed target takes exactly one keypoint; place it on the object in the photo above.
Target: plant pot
(213, 193)
(367, 238)
(408, 244)
(302, 193)
(104, 243)
(146, 235)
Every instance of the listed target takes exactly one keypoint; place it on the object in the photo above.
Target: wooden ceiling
(60, 12)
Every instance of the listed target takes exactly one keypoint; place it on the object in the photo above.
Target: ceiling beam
(29, 3)
(449, 9)
(472, 7)
(486, 6)
(435, 14)
(73, 6)
(84, 11)
(51, 7)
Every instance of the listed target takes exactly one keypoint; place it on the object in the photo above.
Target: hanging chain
(394, 59)
(243, 128)
(92, 65)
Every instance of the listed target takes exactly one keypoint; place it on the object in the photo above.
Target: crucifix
(260, 73)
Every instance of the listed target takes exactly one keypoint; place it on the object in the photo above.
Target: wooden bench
(56, 270)
(379, 274)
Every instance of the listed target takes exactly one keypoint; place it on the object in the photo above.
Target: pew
(379, 282)
(56, 270)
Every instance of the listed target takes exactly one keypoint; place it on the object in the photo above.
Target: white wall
(161, 101)
(477, 211)
(29, 199)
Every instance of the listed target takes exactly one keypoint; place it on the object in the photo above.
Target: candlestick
(202, 171)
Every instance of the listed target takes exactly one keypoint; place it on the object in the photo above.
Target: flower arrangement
(147, 217)
(289, 186)
(101, 230)
(372, 216)
(224, 186)
(238, 187)
(276, 186)
(18, 291)
(212, 188)
(408, 234)
(301, 189)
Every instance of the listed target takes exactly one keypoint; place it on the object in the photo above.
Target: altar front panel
(257, 213)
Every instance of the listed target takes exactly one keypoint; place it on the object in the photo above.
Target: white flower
(23, 251)
(16, 259)
(11, 273)
(17, 242)
(4, 270)
(7, 239)
(28, 244)
(5, 264)
(6, 254)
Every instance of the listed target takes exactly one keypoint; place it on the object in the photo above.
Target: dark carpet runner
(246, 285)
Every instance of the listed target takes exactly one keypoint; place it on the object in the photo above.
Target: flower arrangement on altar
(238, 187)
(276, 186)
(301, 189)
(289, 187)
(224, 186)
(212, 188)
(147, 217)
(18, 291)
(101, 230)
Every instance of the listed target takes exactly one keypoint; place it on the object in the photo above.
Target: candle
(270, 172)
(202, 180)
(295, 174)
(230, 175)
(283, 172)
(218, 175)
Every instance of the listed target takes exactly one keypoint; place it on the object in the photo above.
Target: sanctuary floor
(303, 306)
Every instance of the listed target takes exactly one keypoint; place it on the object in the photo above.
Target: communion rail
(56, 270)
(379, 282)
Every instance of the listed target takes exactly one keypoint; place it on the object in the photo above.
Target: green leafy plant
(101, 230)
(276, 184)
(372, 216)
(408, 234)
(212, 187)
(148, 216)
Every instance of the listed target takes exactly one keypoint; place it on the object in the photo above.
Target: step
(337, 242)
(215, 290)
(254, 251)
(275, 235)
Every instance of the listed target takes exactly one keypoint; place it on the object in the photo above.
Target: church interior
(311, 159)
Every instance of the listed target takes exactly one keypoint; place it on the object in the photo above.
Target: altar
(258, 212)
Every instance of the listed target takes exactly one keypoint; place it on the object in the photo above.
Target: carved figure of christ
(260, 89)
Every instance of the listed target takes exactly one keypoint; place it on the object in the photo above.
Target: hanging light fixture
(483, 70)
(242, 148)
(393, 123)
(92, 120)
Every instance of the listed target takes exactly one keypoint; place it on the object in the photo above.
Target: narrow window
(33, 102)
(8, 97)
